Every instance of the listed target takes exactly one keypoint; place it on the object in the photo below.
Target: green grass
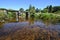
(48, 16)
(45, 16)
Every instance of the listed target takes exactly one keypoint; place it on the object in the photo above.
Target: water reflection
(47, 23)
(1, 24)
(29, 29)
(31, 21)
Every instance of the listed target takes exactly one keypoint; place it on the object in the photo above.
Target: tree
(56, 8)
(31, 9)
(21, 10)
(2, 16)
(27, 10)
(37, 10)
(44, 10)
(11, 15)
(50, 9)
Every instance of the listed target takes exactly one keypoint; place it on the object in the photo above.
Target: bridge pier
(17, 16)
(6, 12)
(27, 15)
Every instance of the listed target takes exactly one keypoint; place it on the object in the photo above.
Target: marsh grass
(48, 16)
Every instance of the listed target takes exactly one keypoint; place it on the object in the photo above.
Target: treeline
(32, 9)
(49, 9)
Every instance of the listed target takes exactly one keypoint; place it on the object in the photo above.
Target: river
(10, 30)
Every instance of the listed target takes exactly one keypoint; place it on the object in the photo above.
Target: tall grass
(48, 16)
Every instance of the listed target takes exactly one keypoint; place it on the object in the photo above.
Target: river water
(12, 27)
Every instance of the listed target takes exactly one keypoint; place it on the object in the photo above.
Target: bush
(57, 12)
(50, 17)
(2, 16)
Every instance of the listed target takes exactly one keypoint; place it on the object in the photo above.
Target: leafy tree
(2, 16)
(37, 10)
(56, 8)
(44, 10)
(27, 10)
(21, 10)
(31, 9)
(57, 12)
(50, 9)
(11, 15)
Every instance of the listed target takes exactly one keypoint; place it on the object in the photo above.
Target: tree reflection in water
(31, 32)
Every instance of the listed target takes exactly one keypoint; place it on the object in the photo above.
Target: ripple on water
(13, 27)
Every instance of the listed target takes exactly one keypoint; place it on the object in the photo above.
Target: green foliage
(2, 16)
(21, 10)
(56, 8)
(3, 9)
(48, 16)
(31, 9)
(44, 10)
(23, 15)
(50, 9)
(57, 12)
(11, 15)
(32, 15)
(27, 10)
(37, 10)
(47, 9)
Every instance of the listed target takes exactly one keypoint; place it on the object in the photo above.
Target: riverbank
(48, 16)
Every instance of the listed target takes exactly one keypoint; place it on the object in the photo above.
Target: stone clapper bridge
(17, 13)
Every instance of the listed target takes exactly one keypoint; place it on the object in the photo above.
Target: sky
(17, 4)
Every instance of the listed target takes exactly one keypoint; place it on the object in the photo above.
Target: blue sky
(17, 4)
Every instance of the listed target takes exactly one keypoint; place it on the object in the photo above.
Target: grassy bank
(45, 16)
(48, 16)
